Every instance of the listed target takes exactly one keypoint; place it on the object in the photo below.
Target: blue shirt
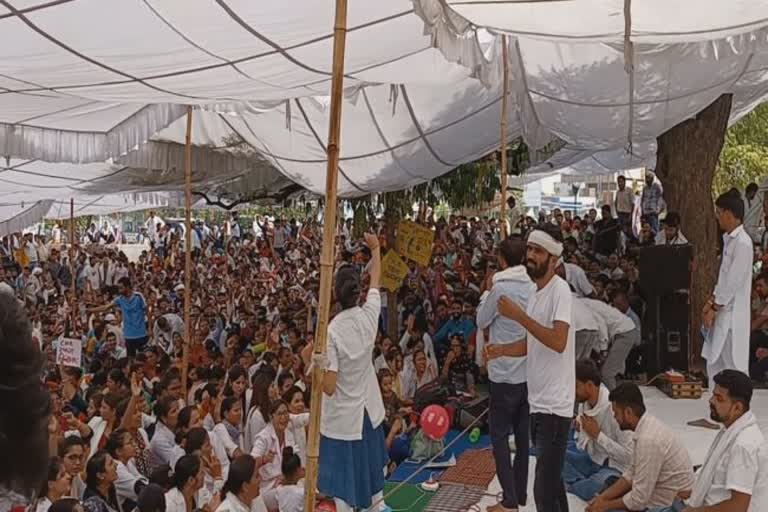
(463, 326)
(133, 308)
(515, 284)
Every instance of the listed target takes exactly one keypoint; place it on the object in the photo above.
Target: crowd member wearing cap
(727, 314)
(352, 447)
(550, 348)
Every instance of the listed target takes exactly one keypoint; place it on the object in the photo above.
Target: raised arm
(372, 241)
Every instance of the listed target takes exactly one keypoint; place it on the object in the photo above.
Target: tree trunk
(391, 219)
(686, 161)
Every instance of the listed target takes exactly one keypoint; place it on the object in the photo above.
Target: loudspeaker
(665, 329)
(664, 269)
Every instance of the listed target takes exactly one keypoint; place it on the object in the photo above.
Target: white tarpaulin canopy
(88, 81)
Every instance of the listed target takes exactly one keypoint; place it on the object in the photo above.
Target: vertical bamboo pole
(187, 250)
(327, 253)
(505, 94)
(72, 267)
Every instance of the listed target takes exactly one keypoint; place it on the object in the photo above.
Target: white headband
(544, 240)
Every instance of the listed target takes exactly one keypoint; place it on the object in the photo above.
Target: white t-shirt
(616, 321)
(551, 375)
(290, 498)
(577, 278)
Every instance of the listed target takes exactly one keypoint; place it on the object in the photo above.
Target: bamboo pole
(504, 97)
(72, 267)
(187, 251)
(327, 253)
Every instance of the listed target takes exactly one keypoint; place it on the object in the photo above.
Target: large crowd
(124, 434)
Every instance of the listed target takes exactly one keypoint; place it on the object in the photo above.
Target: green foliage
(744, 158)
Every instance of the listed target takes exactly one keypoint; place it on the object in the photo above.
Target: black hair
(738, 384)
(151, 499)
(551, 230)
(751, 187)
(195, 439)
(731, 202)
(628, 395)
(163, 407)
(161, 476)
(54, 467)
(347, 287)
(512, 251)
(96, 464)
(125, 281)
(65, 505)
(672, 219)
(227, 405)
(187, 467)
(116, 442)
(24, 403)
(288, 395)
(69, 442)
(587, 371)
(260, 396)
(185, 416)
(291, 462)
(241, 472)
(282, 378)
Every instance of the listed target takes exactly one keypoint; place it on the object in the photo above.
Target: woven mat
(473, 467)
(454, 498)
(408, 498)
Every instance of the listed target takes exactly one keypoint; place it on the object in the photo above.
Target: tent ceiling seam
(418, 127)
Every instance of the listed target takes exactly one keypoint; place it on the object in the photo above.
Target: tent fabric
(19, 216)
(204, 52)
(569, 69)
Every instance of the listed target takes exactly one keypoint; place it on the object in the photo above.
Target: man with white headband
(550, 349)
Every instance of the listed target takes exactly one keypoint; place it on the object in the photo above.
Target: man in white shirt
(624, 202)
(622, 336)
(726, 481)
(550, 348)
(590, 329)
(152, 225)
(661, 467)
(508, 389)
(164, 329)
(726, 316)
(576, 278)
(671, 234)
(603, 451)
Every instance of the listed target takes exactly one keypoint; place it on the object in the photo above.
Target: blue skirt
(353, 470)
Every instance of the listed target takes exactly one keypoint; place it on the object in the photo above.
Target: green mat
(409, 498)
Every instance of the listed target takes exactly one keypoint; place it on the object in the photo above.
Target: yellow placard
(393, 271)
(415, 242)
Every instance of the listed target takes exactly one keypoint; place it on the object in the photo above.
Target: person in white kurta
(727, 314)
(729, 477)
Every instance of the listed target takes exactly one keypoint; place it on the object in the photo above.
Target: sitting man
(726, 480)
(603, 451)
(661, 468)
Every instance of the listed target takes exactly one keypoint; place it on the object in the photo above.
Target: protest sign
(415, 242)
(69, 352)
(393, 270)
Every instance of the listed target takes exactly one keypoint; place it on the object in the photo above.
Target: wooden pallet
(687, 389)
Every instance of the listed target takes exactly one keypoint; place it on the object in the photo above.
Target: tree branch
(278, 196)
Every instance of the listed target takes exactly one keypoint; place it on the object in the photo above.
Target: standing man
(624, 203)
(652, 200)
(552, 376)
(153, 225)
(726, 315)
(507, 373)
(134, 309)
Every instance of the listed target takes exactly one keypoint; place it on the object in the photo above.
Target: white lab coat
(728, 341)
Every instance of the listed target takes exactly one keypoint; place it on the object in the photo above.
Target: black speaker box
(666, 332)
(664, 269)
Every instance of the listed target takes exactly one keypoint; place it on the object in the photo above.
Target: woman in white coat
(268, 452)
(103, 424)
(187, 481)
(352, 446)
(241, 490)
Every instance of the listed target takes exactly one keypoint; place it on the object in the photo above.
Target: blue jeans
(582, 476)
(676, 506)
